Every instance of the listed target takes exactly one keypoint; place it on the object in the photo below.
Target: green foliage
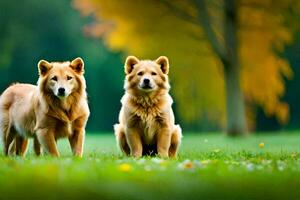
(210, 166)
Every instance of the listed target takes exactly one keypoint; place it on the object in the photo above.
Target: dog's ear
(77, 65)
(129, 64)
(163, 62)
(44, 67)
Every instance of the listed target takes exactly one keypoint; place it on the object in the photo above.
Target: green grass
(209, 166)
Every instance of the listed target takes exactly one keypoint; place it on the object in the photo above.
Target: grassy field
(210, 166)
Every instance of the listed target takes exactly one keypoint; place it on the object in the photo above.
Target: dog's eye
(140, 74)
(69, 78)
(153, 73)
(54, 78)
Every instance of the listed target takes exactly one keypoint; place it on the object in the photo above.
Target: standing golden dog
(56, 108)
(146, 121)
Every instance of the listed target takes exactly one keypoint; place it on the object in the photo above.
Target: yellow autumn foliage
(148, 29)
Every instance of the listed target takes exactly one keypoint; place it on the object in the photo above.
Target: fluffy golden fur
(55, 108)
(146, 120)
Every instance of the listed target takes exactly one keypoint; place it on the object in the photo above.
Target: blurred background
(234, 65)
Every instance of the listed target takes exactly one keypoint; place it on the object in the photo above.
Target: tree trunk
(228, 53)
(236, 119)
(235, 109)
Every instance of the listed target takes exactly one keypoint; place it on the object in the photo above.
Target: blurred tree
(220, 49)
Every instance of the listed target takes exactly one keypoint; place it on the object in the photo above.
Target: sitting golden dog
(56, 108)
(146, 121)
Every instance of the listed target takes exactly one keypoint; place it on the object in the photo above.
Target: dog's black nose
(146, 81)
(61, 91)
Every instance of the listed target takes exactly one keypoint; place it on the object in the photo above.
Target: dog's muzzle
(146, 84)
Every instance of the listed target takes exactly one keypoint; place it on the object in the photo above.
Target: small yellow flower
(125, 167)
(215, 161)
(261, 145)
(188, 165)
(217, 150)
(205, 162)
(294, 155)
(164, 163)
